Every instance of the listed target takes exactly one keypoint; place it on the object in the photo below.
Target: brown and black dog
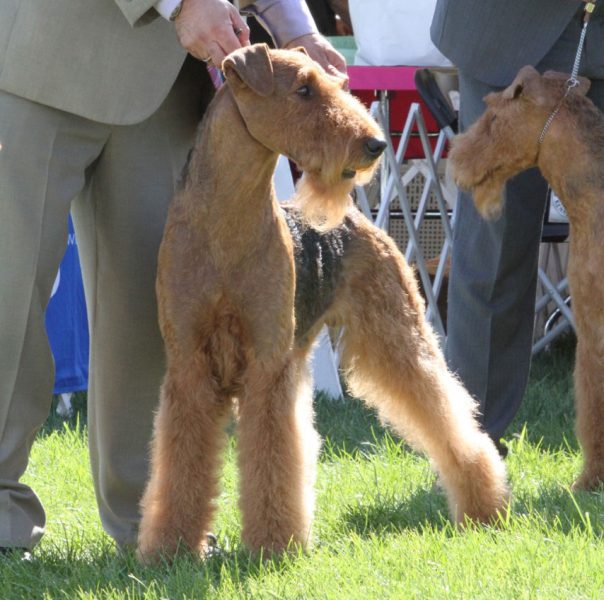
(245, 286)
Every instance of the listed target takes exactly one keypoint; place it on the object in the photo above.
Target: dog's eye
(303, 91)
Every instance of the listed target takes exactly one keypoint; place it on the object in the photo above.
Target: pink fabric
(215, 75)
(381, 78)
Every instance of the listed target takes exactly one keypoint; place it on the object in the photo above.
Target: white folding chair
(553, 314)
(394, 185)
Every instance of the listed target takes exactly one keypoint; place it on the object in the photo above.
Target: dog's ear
(250, 66)
(582, 88)
(517, 87)
(513, 91)
(584, 85)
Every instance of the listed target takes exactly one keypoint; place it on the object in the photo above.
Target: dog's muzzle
(372, 148)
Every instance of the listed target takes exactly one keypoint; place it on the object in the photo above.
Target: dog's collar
(570, 84)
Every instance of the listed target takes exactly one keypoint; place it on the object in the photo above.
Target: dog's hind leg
(277, 448)
(394, 363)
(589, 405)
(177, 506)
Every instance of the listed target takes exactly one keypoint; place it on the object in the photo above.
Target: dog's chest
(318, 261)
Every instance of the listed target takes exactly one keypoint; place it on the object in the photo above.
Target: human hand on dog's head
(321, 51)
(211, 29)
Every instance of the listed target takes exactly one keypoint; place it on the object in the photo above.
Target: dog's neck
(571, 162)
(230, 173)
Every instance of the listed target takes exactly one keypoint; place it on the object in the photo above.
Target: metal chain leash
(572, 82)
(589, 8)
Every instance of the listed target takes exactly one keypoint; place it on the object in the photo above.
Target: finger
(215, 53)
(342, 79)
(337, 61)
(227, 39)
(325, 60)
(240, 28)
(199, 53)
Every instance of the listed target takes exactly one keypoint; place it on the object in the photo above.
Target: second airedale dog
(241, 298)
(540, 121)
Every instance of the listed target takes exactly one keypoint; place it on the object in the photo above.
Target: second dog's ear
(513, 91)
(250, 66)
(582, 88)
(584, 85)
(516, 88)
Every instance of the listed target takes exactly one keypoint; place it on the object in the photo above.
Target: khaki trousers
(118, 180)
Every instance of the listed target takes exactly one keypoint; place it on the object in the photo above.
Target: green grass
(381, 530)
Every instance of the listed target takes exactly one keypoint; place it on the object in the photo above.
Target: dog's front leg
(278, 449)
(177, 506)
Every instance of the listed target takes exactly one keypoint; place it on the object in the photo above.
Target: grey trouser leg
(42, 163)
(124, 177)
(121, 215)
(493, 274)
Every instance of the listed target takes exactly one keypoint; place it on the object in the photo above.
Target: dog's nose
(374, 147)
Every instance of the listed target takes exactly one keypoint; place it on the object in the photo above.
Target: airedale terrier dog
(511, 136)
(244, 286)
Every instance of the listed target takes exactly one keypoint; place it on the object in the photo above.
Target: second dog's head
(506, 138)
(291, 106)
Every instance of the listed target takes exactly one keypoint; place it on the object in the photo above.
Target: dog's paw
(588, 482)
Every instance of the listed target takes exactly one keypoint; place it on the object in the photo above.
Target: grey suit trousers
(118, 180)
(494, 264)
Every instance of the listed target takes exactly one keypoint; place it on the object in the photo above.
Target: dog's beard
(488, 198)
(323, 205)
(324, 201)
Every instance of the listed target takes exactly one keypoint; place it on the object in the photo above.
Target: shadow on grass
(386, 515)
(107, 573)
(563, 510)
(347, 425)
(547, 409)
(556, 507)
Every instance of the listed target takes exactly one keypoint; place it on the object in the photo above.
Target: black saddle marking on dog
(318, 258)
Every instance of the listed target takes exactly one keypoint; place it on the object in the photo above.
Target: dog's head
(291, 106)
(505, 139)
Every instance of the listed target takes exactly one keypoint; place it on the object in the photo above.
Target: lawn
(381, 529)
